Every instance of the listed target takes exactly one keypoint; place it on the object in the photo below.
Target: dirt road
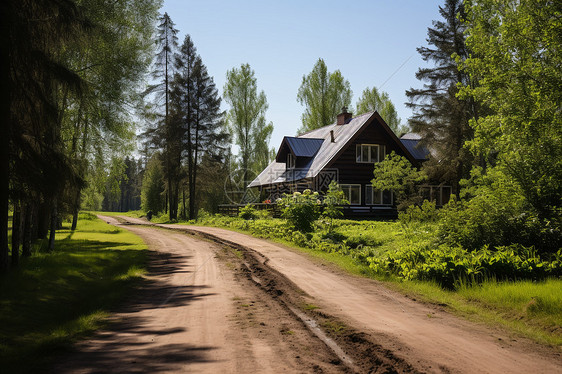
(197, 312)
(248, 311)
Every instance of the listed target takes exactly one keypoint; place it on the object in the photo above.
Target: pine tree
(440, 117)
(168, 132)
(196, 104)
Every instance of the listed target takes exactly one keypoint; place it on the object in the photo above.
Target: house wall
(352, 172)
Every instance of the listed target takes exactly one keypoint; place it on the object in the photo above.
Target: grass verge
(53, 299)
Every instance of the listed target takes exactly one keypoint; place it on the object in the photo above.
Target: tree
(372, 101)
(397, 174)
(440, 116)
(151, 193)
(520, 79)
(323, 94)
(32, 162)
(168, 133)
(246, 118)
(99, 124)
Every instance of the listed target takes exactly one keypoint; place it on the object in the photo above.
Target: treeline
(71, 79)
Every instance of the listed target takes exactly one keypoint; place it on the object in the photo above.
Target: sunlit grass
(52, 299)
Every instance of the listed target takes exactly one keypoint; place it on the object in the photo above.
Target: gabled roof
(300, 147)
(418, 152)
(276, 172)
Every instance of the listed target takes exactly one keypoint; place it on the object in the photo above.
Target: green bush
(427, 212)
(248, 212)
(497, 215)
(301, 210)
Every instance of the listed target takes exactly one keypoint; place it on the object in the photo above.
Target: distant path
(425, 336)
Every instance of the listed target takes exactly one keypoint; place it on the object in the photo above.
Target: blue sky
(282, 40)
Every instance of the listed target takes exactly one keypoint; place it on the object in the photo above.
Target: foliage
(426, 212)
(324, 95)
(494, 212)
(151, 193)
(248, 212)
(396, 173)
(301, 209)
(517, 62)
(373, 100)
(440, 117)
(332, 202)
(246, 119)
(451, 266)
(196, 109)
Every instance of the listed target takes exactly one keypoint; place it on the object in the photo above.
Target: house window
(352, 193)
(291, 160)
(378, 197)
(439, 194)
(370, 153)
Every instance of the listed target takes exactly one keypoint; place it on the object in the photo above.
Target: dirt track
(214, 311)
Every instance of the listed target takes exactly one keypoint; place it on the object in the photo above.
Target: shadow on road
(132, 342)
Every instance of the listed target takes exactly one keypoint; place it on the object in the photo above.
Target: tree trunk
(16, 234)
(54, 222)
(75, 210)
(5, 125)
(27, 231)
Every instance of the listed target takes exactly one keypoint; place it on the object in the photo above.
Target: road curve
(427, 337)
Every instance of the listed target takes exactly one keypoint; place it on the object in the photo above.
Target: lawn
(53, 299)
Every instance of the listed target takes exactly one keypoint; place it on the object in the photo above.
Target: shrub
(497, 215)
(427, 212)
(333, 201)
(248, 212)
(301, 210)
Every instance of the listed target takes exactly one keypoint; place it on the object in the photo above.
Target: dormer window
(370, 153)
(291, 161)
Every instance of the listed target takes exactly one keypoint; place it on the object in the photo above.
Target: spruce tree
(168, 130)
(440, 117)
(196, 106)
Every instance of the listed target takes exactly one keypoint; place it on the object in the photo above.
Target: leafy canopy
(373, 100)
(323, 94)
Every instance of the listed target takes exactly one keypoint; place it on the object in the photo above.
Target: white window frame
(373, 191)
(348, 195)
(291, 161)
(359, 156)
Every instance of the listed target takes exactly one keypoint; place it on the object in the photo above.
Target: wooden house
(344, 151)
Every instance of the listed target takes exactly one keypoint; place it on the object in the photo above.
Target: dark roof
(300, 147)
(327, 151)
(418, 152)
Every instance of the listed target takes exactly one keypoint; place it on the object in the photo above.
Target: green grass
(53, 299)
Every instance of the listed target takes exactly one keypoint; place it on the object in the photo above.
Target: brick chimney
(344, 116)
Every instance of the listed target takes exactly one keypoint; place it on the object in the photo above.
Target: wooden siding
(352, 172)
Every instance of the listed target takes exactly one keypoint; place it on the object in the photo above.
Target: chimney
(344, 116)
(332, 136)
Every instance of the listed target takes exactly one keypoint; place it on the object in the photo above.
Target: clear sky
(372, 43)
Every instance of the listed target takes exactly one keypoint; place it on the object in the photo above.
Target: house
(344, 151)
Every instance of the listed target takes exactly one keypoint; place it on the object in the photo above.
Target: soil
(221, 301)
